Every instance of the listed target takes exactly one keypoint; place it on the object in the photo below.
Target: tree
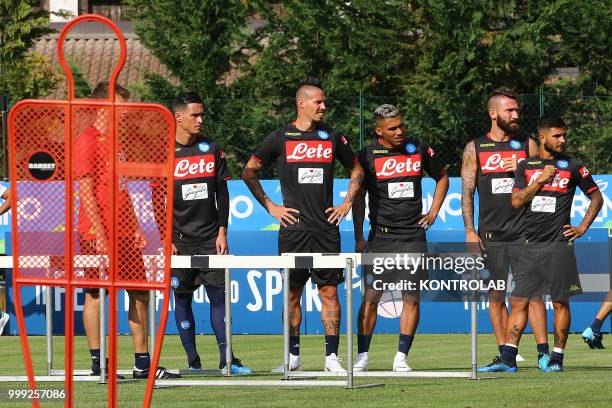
(437, 59)
(467, 49)
(23, 74)
(351, 46)
(197, 40)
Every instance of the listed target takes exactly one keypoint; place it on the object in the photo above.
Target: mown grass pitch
(587, 381)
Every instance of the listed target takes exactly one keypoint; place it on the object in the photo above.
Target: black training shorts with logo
(326, 241)
(548, 268)
(388, 244)
(187, 280)
(502, 256)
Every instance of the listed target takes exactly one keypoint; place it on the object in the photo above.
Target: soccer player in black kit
(546, 184)
(393, 168)
(488, 165)
(199, 226)
(305, 152)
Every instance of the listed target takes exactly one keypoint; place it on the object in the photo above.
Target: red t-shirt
(92, 155)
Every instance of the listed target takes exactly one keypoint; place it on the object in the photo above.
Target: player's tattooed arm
(525, 195)
(589, 216)
(469, 170)
(285, 215)
(251, 179)
(354, 183)
(336, 214)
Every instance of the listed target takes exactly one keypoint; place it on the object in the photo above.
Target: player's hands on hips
(221, 243)
(337, 213)
(361, 245)
(427, 220)
(573, 232)
(509, 164)
(283, 214)
(471, 237)
(547, 174)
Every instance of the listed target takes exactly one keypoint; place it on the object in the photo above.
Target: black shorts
(388, 243)
(502, 256)
(187, 280)
(549, 268)
(325, 241)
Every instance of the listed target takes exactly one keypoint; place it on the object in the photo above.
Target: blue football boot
(543, 360)
(497, 366)
(592, 339)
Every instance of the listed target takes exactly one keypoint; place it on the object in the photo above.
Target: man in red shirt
(92, 170)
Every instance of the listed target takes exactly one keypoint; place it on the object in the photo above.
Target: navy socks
(185, 323)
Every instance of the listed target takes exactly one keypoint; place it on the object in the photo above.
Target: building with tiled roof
(95, 54)
(94, 49)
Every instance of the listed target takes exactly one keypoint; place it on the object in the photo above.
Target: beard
(508, 127)
(553, 151)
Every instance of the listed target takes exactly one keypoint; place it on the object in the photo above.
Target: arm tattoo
(468, 184)
(591, 212)
(525, 195)
(355, 183)
(249, 175)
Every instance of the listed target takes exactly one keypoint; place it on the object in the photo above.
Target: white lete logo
(309, 151)
(195, 166)
(495, 161)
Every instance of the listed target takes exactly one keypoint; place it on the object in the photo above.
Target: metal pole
(102, 299)
(49, 321)
(286, 324)
(152, 318)
(348, 284)
(474, 328)
(228, 322)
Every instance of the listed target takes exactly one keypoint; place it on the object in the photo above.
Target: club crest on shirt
(515, 144)
(562, 164)
(203, 147)
(410, 148)
(323, 134)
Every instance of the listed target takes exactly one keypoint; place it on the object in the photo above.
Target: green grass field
(586, 382)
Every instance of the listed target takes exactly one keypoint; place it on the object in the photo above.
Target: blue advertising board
(257, 294)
